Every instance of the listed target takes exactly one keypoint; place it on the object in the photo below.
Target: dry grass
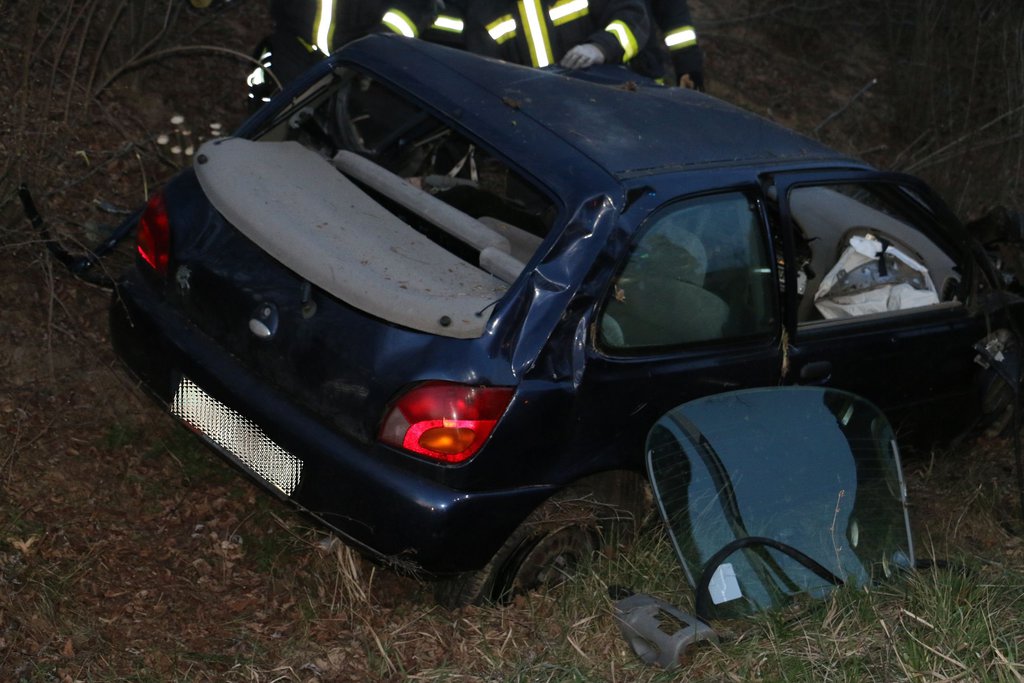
(105, 573)
(963, 111)
(930, 88)
(937, 625)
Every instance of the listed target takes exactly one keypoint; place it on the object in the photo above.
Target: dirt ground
(127, 552)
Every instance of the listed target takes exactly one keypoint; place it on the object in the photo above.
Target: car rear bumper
(385, 510)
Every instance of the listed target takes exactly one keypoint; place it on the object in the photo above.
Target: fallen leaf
(25, 546)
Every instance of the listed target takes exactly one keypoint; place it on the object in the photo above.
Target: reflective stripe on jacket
(679, 35)
(325, 25)
(540, 32)
(673, 39)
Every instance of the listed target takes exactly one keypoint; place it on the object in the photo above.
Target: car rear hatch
(320, 290)
(316, 221)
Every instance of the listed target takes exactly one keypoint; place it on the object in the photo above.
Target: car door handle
(819, 371)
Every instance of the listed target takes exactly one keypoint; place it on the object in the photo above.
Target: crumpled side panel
(553, 292)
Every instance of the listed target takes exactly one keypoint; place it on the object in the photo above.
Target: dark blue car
(437, 301)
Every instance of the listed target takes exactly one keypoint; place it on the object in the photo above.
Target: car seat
(660, 299)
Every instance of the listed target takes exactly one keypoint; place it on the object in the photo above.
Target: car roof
(626, 128)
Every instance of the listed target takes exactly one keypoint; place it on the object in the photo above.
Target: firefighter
(306, 31)
(672, 54)
(572, 33)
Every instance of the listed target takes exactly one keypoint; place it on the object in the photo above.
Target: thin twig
(779, 10)
(934, 161)
(25, 84)
(30, 53)
(172, 51)
(138, 56)
(65, 38)
(836, 114)
(104, 42)
(920, 163)
(78, 58)
(906, 149)
(51, 285)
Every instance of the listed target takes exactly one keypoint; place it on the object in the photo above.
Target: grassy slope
(128, 554)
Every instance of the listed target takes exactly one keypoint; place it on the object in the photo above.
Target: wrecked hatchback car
(439, 308)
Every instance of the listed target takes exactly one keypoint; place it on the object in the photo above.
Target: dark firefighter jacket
(674, 37)
(540, 32)
(325, 25)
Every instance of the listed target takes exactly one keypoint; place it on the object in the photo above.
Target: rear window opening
(356, 116)
(380, 204)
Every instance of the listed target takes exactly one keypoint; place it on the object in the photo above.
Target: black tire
(545, 549)
(551, 560)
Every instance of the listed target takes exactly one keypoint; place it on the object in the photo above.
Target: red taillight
(154, 237)
(444, 421)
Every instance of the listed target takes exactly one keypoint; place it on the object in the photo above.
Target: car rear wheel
(553, 541)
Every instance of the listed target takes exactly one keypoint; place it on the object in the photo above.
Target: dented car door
(691, 311)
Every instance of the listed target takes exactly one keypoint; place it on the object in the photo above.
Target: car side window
(862, 251)
(700, 271)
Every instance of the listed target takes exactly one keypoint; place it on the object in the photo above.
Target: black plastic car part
(642, 620)
(80, 265)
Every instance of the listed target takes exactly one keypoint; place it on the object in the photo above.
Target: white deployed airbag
(859, 285)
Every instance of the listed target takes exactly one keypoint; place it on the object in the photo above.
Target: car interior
(432, 178)
(700, 271)
(829, 219)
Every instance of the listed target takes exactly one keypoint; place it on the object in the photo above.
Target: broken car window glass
(764, 472)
